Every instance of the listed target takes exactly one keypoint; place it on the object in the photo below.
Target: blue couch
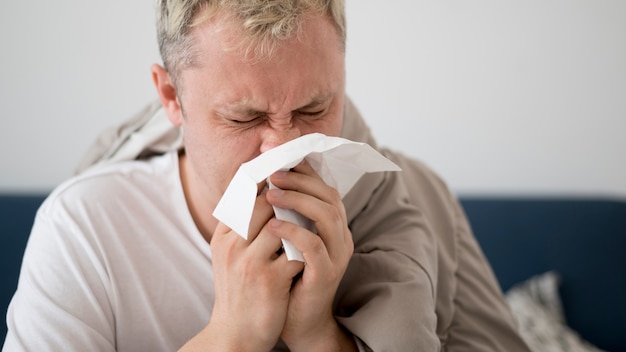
(584, 240)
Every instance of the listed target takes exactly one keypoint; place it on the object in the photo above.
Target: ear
(167, 93)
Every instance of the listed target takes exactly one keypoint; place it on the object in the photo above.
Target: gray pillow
(537, 307)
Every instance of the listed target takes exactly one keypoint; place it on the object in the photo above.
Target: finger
(314, 199)
(261, 187)
(266, 246)
(262, 212)
(309, 183)
(329, 220)
(304, 167)
(290, 267)
(313, 249)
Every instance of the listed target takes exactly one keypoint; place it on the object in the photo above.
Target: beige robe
(418, 280)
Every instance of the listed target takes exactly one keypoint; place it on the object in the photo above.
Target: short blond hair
(263, 23)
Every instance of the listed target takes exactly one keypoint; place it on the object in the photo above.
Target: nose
(274, 136)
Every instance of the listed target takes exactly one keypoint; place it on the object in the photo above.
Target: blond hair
(263, 23)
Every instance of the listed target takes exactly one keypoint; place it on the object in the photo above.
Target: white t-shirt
(103, 265)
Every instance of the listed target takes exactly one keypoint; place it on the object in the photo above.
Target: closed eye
(311, 113)
(240, 122)
(246, 121)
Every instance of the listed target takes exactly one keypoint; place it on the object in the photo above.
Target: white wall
(498, 97)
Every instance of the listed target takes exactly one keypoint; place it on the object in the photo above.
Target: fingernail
(275, 223)
(281, 174)
(277, 192)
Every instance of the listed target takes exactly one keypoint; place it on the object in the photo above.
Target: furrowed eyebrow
(247, 112)
(317, 101)
(242, 108)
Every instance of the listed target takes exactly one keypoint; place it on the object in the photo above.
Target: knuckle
(334, 195)
(315, 243)
(334, 214)
(349, 245)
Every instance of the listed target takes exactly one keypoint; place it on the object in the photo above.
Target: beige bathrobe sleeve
(418, 280)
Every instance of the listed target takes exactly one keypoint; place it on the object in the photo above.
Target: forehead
(309, 63)
(258, 41)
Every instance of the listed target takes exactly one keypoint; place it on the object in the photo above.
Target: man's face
(235, 108)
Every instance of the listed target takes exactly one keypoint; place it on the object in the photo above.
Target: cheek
(334, 122)
(217, 154)
(331, 125)
(336, 125)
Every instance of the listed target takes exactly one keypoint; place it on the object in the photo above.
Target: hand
(252, 284)
(310, 318)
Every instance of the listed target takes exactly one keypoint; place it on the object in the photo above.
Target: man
(127, 257)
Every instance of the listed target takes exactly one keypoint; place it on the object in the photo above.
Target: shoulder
(424, 186)
(418, 174)
(113, 183)
(431, 195)
(109, 207)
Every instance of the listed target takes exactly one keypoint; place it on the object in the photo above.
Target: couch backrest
(583, 240)
(17, 213)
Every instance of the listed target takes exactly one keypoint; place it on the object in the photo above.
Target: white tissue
(338, 161)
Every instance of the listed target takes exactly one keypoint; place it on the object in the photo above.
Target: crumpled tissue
(338, 161)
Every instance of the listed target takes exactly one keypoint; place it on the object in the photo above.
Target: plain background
(499, 97)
